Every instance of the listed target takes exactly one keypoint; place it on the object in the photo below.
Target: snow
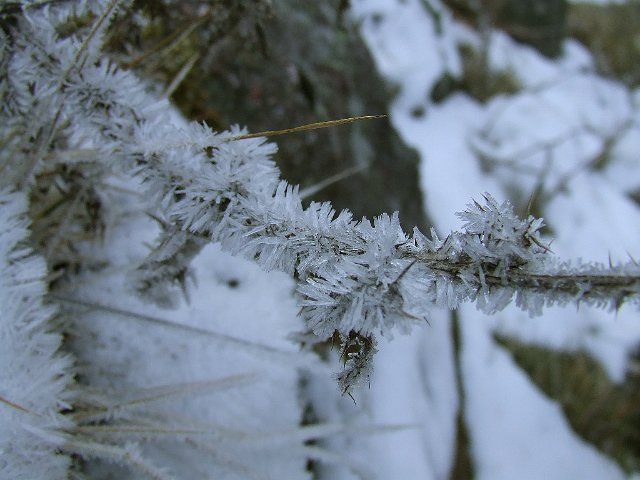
(545, 136)
(402, 40)
(549, 133)
(450, 174)
(223, 360)
(622, 171)
(411, 386)
(516, 432)
(532, 69)
(596, 209)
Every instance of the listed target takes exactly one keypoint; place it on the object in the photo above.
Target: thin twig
(522, 279)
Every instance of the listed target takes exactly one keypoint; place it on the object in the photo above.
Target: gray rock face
(540, 23)
(301, 63)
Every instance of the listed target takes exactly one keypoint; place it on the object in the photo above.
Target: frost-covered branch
(355, 279)
(351, 273)
(362, 278)
(498, 256)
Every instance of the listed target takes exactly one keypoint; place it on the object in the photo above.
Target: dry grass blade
(164, 392)
(182, 74)
(292, 357)
(302, 128)
(124, 456)
(327, 182)
(16, 406)
(171, 41)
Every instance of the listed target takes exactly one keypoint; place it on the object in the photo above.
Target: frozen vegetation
(166, 295)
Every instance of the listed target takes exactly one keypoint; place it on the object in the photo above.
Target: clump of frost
(34, 376)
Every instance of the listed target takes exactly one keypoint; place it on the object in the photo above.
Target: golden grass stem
(302, 128)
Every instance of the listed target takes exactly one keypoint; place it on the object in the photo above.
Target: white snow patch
(516, 432)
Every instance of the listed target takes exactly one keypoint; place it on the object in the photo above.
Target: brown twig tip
(309, 126)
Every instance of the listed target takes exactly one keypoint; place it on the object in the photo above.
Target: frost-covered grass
(35, 377)
(183, 357)
(140, 391)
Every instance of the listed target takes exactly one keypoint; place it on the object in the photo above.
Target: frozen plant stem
(357, 280)
(589, 284)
